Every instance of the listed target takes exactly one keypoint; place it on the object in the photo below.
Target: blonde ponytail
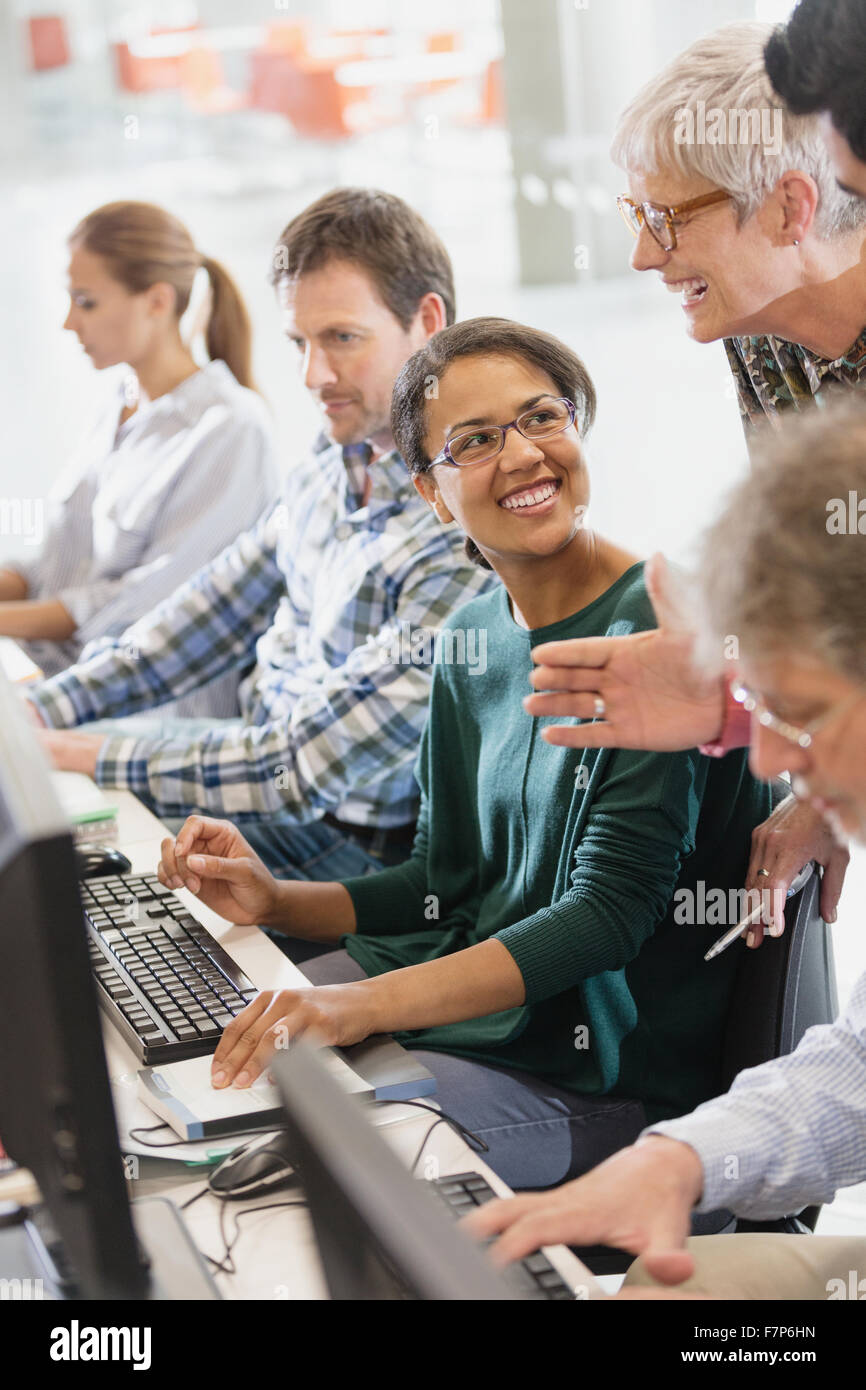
(143, 245)
(228, 334)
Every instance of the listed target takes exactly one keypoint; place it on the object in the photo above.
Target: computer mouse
(256, 1168)
(97, 861)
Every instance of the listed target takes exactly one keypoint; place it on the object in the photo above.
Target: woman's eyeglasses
(477, 446)
(660, 221)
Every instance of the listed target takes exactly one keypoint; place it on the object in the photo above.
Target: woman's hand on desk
(482, 979)
(213, 860)
(330, 1015)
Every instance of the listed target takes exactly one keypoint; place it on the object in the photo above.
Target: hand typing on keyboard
(213, 860)
(483, 979)
(639, 1200)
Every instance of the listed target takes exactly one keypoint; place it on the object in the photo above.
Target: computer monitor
(380, 1234)
(56, 1112)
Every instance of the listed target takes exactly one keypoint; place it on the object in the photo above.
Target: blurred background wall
(494, 120)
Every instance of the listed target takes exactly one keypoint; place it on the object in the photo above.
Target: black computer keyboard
(532, 1277)
(163, 980)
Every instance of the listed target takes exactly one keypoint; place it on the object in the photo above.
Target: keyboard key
(534, 1277)
(488, 1195)
(140, 929)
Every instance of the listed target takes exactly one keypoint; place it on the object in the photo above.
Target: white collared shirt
(791, 1132)
(142, 506)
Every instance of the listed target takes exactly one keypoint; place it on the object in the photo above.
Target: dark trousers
(538, 1135)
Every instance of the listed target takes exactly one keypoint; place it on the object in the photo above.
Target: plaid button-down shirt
(322, 600)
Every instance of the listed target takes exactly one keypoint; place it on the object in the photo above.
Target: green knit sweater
(571, 859)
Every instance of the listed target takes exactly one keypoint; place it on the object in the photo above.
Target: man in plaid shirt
(331, 599)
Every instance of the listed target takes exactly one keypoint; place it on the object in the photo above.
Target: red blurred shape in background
(49, 44)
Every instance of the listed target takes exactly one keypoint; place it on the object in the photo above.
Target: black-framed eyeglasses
(659, 220)
(543, 421)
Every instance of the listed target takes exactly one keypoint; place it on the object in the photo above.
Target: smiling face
(831, 773)
(529, 500)
(350, 346)
(725, 276)
(112, 324)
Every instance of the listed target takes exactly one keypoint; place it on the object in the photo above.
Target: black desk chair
(780, 990)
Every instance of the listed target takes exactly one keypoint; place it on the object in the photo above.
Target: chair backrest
(781, 989)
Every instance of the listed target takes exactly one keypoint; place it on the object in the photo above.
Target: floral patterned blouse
(773, 376)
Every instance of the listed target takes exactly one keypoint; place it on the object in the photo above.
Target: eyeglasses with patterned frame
(660, 220)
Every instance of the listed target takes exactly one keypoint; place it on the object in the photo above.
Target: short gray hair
(783, 569)
(725, 70)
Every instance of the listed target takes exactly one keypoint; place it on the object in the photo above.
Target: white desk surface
(276, 1254)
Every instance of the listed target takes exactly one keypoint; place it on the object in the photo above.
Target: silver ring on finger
(599, 708)
(763, 873)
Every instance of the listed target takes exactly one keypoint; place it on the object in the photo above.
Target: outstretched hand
(651, 694)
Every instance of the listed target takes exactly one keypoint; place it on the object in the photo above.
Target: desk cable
(225, 1264)
(442, 1117)
(175, 1143)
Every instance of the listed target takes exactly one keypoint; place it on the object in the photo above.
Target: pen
(755, 915)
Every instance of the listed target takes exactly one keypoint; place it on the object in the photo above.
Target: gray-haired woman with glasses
(734, 202)
(533, 950)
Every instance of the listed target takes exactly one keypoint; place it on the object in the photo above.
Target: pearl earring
(796, 243)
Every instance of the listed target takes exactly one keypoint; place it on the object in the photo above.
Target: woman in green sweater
(531, 950)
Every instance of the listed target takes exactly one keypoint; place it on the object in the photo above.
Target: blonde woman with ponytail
(180, 462)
